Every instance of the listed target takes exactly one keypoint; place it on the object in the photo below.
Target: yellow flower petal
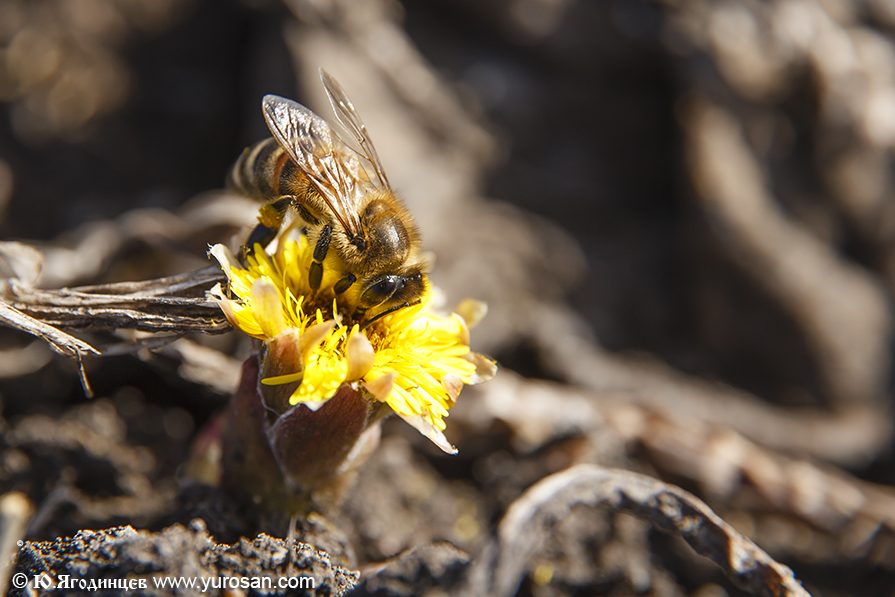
(426, 428)
(472, 311)
(268, 308)
(360, 354)
(313, 336)
(381, 387)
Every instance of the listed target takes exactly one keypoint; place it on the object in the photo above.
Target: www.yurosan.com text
(202, 583)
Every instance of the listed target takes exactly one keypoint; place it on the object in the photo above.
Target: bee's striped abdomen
(263, 172)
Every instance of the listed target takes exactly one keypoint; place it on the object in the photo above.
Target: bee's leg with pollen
(270, 218)
(261, 235)
(315, 272)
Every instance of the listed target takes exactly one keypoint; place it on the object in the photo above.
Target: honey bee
(306, 168)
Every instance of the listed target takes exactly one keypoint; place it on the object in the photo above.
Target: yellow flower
(416, 360)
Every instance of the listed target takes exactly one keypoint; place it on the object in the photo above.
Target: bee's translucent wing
(349, 118)
(332, 166)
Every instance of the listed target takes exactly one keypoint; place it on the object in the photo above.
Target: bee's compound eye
(380, 290)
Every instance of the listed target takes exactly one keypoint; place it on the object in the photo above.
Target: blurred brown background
(681, 212)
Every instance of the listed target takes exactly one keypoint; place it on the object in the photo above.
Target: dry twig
(150, 306)
(498, 571)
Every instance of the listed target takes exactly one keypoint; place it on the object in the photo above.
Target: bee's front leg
(315, 272)
(344, 284)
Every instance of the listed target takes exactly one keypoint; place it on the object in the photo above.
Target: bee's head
(393, 290)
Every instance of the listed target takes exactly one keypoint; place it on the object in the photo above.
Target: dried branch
(148, 306)
(145, 320)
(722, 462)
(847, 511)
(61, 342)
(500, 568)
(121, 292)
